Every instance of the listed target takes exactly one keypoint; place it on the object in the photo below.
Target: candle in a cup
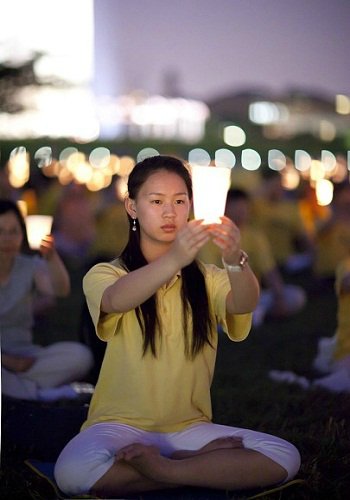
(38, 226)
(210, 185)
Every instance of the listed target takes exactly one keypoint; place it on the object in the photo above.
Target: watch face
(243, 260)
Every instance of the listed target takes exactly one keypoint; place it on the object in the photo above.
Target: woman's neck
(152, 251)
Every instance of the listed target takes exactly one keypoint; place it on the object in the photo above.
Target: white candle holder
(210, 185)
(38, 226)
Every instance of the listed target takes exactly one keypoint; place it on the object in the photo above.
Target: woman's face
(11, 235)
(162, 207)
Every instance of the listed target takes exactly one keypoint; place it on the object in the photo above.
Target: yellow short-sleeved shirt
(342, 347)
(332, 246)
(166, 393)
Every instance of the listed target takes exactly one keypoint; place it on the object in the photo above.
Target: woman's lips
(169, 228)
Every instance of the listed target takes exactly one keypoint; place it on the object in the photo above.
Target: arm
(59, 281)
(244, 294)
(137, 286)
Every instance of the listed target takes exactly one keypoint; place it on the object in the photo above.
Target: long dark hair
(7, 206)
(193, 292)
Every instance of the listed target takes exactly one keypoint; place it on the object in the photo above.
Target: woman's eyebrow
(164, 194)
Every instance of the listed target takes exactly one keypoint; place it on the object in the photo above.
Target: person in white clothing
(30, 371)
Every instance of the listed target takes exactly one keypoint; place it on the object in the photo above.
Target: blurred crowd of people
(284, 233)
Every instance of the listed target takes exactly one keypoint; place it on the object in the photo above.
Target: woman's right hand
(189, 240)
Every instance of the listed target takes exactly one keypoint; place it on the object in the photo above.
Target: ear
(130, 207)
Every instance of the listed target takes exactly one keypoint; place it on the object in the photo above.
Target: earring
(134, 228)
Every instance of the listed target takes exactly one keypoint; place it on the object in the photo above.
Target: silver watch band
(234, 268)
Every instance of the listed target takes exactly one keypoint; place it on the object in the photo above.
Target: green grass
(316, 421)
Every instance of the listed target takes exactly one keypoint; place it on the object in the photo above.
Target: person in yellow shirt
(158, 308)
(278, 299)
(332, 238)
(333, 355)
(278, 216)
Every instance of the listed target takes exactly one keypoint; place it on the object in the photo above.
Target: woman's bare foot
(145, 459)
(216, 444)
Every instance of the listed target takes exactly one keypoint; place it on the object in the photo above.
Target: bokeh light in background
(199, 156)
(276, 159)
(250, 159)
(19, 167)
(225, 158)
(60, 41)
(234, 136)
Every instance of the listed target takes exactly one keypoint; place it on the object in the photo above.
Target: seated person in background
(313, 214)
(279, 217)
(333, 355)
(74, 225)
(277, 298)
(332, 239)
(112, 226)
(30, 371)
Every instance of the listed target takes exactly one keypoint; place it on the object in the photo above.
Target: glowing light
(302, 160)
(328, 160)
(264, 112)
(160, 117)
(290, 178)
(22, 205)
(74, 161)
(225, 158)
(43, 156)
(250, 159)
(65, 177)
(126, 165)
(146, 153)
(199, 156)
(82, 172)
(121, 188)
(100, 157)
(18, 167)
(317, 171)
(210, 186)
(340, 173)
(114, 164)
(234, 136)
(342, 104)
(38, 226)
(52, 169)
(276, 159)
(66, 152)
(97, 181)
(324, 192)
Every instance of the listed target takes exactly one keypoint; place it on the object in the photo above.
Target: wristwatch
(234, 268)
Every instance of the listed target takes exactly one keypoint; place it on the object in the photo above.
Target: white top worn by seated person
(56, 364)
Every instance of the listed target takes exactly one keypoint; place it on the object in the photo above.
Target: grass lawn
(316, 421)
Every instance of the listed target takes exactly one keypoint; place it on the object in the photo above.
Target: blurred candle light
(38, 226)
(22, 205)
(324, 192)
(210, 186)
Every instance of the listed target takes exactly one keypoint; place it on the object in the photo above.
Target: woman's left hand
(228, 238)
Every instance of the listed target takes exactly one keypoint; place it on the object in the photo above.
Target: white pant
(55, 365)
(90, 454)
